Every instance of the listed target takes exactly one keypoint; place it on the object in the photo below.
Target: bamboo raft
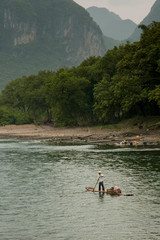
(108, 191)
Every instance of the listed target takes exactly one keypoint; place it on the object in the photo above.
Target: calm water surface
(43, 196)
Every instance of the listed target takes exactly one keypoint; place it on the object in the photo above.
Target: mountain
(111, 24)
(154, 15)
(44, 35)
(110, 43)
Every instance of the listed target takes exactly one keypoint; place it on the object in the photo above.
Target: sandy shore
(81, 134)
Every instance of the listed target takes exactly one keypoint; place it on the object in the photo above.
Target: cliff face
(48, 34)
(20, 32)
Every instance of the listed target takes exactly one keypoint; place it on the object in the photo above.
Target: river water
(43, 196)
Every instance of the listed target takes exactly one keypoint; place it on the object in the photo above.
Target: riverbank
(83, 135)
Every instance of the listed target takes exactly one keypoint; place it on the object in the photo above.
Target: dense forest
(125, 82)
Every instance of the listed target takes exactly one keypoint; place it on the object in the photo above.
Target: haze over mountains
(111, 24)
(46, 35)
(114, 27)
(154, 15)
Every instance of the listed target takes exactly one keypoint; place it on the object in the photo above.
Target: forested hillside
(125, 82)
(37, 35)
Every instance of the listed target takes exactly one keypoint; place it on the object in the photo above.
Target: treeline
(122, 84)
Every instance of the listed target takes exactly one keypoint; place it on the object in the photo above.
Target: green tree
(133, 86)
(36, 96)
(154, 95)
(13, 94)
(105, 106)
(67, 96)
(28, 95)
(138, 73)
(108, 63)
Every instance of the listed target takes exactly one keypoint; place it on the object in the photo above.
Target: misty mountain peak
(154, 15)
(111, 24)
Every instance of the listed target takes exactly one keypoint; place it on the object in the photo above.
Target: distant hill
(44, 35)
(154, 15)
(111, 24)
(110, 43)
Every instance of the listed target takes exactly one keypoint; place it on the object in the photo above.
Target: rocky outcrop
(20, 32)
(49, 34)
(66, 28)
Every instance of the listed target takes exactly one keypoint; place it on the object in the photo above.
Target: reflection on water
(43, 194)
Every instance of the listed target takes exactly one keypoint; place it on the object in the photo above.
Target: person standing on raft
(100, 180)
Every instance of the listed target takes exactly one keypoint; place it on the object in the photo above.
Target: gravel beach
(97, 135)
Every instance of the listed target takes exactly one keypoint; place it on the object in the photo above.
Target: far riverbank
(98, 135)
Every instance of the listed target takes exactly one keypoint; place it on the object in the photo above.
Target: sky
(135, 10)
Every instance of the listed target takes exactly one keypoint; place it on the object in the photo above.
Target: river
(43, 196)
